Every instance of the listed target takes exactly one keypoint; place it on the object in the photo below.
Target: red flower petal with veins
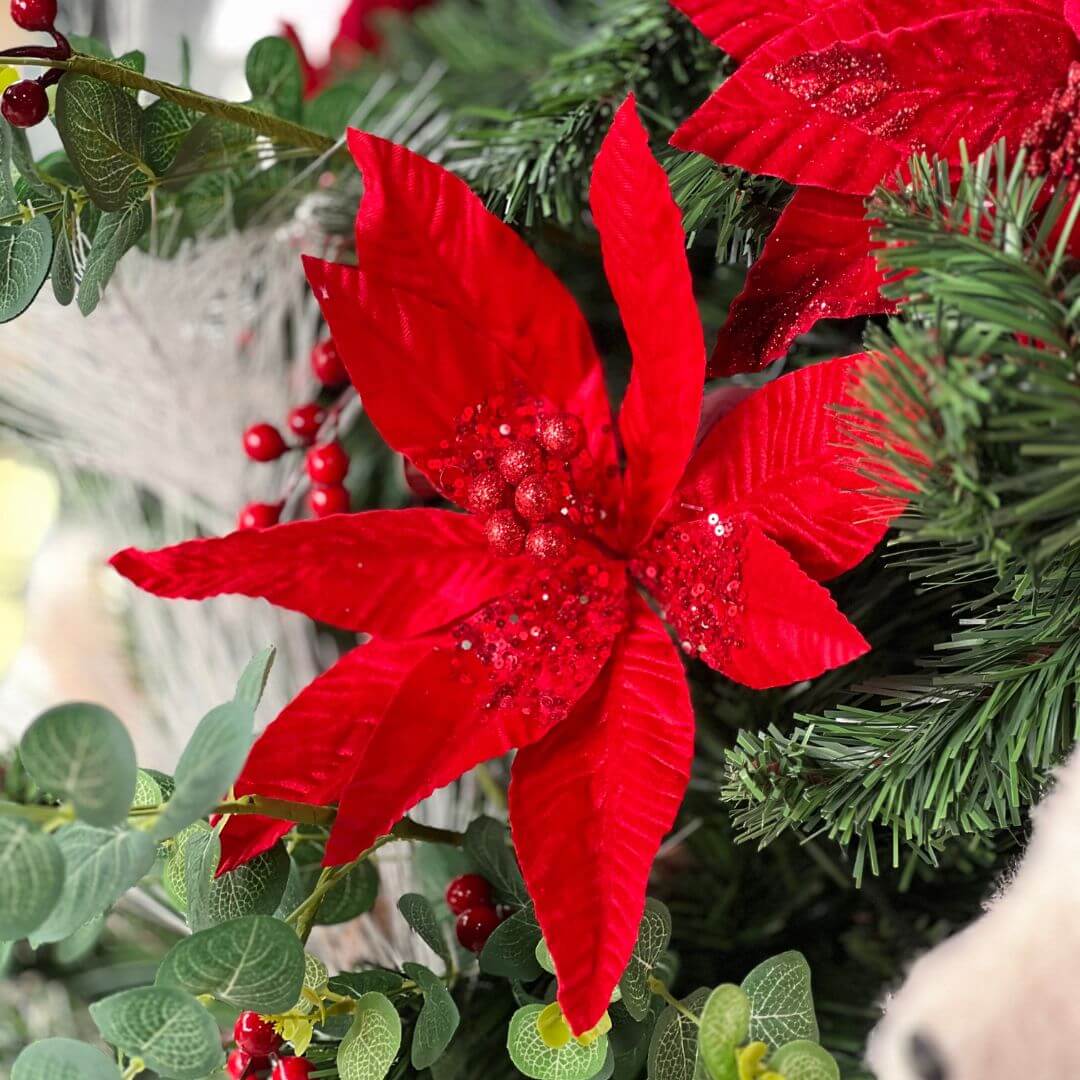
(598, 795)
(474, 361)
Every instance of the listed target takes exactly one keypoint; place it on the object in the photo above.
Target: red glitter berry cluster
(257, 1056)
(326, 463)
(25, 103)
(471, 898)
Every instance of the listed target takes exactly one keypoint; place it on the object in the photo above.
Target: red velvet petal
(790, 627)
(830, 105)
(307, 753)
(644, 250)
(449, 306)
(589, 805)
(816, 264)
(1072, 15)
(783, 458)
(741, 26)
(392, 572)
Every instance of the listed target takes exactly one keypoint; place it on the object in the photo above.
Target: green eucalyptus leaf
(78, 946)
(725, 1024)
(330, 111)
(255, 962)
(173, 873)
(101, 128)
(543, 957)
(358, 983)
(63, 264)
(210, 763)
(252, 888)
(351, 895)
(438, 1019)
(273, 74)
(202, 853)
(83, 753)
(674, 1046)
(164, 1026)
(487, 843)
(510, 952)
(8, 199)
(147, 792)
(802, 1059)
(166, 125)
(654, 933)
(249, 690)
(100, 865)
(31, 878)
(535, 1059)
(371, 1044)
(420, 915)
(163, 781)
(25, 257)
(781, 1002)
(63, 1059)
(117, 232)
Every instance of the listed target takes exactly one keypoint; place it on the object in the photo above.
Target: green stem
(273, 127)
(662, 992)
(43, 815)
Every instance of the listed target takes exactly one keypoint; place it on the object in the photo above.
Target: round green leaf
(147, 791)
(487, 843)
(31, 878)
(83, 753)
(63, 1059)
(78, 946)
(512, 950)
(535, 1059)
(438, 1019)
(100, 865)
(371, 1044)
(315, 979)
(166, 125)
(781, 1003)
(253, 888)
(725, 1023)
(25, 256)
(165, 1027)
(273, 73)
(173, 873)
(673, 1049)
(256, 962)
(420, 915)
(804, 1060)
(543, 957)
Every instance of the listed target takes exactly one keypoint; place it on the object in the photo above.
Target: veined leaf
(654, 933)
(781, 1002)
(535, 1059)
(438, 1019)
(166, 126)
(804, 1060)
(253, 888)
(418, 913)
(273, 74)
(511, 949)
(725, 1024)
(252, 683)
(31, 877)
(116, 233)
(63, 1059)
(25, 256)
(372, 1043)
(487, 843)
(674, 1045)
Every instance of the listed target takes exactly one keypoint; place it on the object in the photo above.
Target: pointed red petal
(816, 264)
(644, 250)
(589, 805)
(790, 627)
(307, 753)
(448, 307)
(741, 26)
(1072, 15)
(393, 572)
(783, 458)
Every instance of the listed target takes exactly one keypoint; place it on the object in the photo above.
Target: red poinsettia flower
(835, 95)
(526, 623)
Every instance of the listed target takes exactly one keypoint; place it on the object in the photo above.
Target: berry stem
(109, 71)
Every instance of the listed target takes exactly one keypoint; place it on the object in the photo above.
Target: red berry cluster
(326, 464)
(25, 103)
(519, 497)
(257, 1046)
(471, 899)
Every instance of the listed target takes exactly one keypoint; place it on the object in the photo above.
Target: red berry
(292, 1068)
(263, 442)
(548, 543)
(254, 1035)
(518, 460)
(24, 104)
(562, 435)
(468, 891)
(331, 499)
(258, 515)
(505, 533)
(536, 498)
(33, 14)
(243, 1064)
(305, 420)
(475, 926)
(487, 492)
(327, 464)
(326, 364)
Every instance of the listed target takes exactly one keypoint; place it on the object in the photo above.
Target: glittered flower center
(543, 645)
(524, 467)
(694, 569)
(1053, 141)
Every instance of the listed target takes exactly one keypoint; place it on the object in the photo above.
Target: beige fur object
(999, 1001)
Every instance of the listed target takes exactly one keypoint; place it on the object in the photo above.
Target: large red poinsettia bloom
(525, 623)
(835, 95)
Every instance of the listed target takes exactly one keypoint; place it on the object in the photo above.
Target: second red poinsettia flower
(834, 96)
(530, 622)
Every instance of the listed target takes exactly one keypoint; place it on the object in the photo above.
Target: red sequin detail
(1053, 141)
(543, 645)
(694, 569)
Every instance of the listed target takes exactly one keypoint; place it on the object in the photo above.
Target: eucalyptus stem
(44, 815)
(661, 991)
(273, 127)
